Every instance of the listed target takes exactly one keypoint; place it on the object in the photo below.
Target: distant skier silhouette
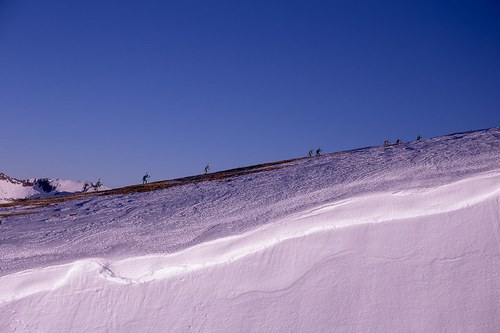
(207, 168)
(145, 178)
(87, 186)
(310, 152)
(98, 185)
(318, 152)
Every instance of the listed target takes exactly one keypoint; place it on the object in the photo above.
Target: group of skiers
(318, 152)
(398, 141)
(89, 185)
(96, 186)
(386, 143)
(147, 176)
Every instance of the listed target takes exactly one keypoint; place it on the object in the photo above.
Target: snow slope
(398, 239)
(12, 189)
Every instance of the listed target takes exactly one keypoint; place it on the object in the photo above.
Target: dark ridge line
(154, 186)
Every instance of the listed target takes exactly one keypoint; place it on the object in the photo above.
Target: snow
(13, 189)
(69, 186)
(378, 239)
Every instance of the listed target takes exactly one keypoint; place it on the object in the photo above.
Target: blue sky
(112, 89)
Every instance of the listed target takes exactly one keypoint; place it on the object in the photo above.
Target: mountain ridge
(167, 183)
(403, 238)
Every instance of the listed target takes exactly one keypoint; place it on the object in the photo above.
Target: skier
(398, 141)
(318, 152)
(310, 152)
(207, 167)
(97, 185)
(86, 186)
(419, 138)
(145, 178)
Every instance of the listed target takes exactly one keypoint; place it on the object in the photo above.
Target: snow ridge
(375, 208)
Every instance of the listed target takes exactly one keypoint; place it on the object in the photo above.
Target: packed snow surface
(381, 239)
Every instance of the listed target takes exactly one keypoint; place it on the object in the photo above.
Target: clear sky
(111, 89)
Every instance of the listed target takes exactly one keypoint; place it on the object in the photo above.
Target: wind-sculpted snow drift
(384, 252)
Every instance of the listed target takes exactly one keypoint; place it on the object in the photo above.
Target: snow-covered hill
(381, 239)
(12, 189)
